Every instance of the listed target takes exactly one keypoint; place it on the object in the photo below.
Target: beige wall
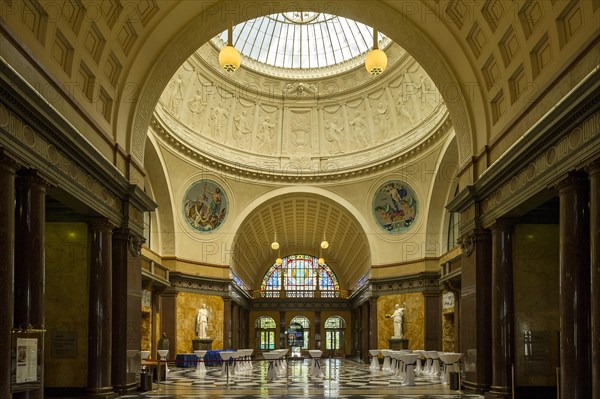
(66, 303)
(536, 288)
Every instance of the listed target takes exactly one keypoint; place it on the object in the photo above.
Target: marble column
(475, 309)
(373, 338)
(317, 330)
(282, 328)
(100, 310)
(29, 275)
(364, 339)
(574, 302)
(594, 173)
(8, 169)
(227, 326)
(433, 321)
(503, 309)
(126, 315)
(168, 321)
(235, 318)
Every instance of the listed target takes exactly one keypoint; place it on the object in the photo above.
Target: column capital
(101, 224)
(33, 178)
(134, 241)
(572, 180)
(594, 167)
(8, 162)
(504, 224)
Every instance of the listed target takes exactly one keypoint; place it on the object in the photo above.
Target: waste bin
(145, 382)
(454, 381)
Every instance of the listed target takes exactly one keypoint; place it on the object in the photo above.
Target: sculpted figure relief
(266, 136)
(196, 106)
(176, 97)
(333, 134)
(241, 128)
(360, 130)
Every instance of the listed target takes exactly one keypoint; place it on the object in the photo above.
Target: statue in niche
(383, 120)
(398, 317)
(202, 322)
(333, 134)
(360, 130)
(266, 136)
(241, 128)
(217, 122)
(300, 126)
(196, 106)
(176, 97)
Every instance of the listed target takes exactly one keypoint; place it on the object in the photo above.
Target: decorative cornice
(416, 283)
(301, 303)
(190, 283)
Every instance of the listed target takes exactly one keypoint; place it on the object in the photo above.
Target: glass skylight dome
(302, 40)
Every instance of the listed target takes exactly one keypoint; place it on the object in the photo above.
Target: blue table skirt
(212, 358)
(186, 360)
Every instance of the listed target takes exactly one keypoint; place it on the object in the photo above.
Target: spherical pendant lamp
(376, 60)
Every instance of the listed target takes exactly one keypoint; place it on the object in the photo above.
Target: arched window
(303, 321)
(335, 327)
(299, 276)
(265, 333)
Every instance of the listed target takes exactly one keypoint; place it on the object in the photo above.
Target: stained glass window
(299, 276)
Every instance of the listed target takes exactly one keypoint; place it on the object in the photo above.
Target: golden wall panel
(448, 332)
(413, 325)
(188, 304)
(66, 303)
(146, 331)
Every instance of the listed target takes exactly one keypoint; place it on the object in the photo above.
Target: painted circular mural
(395, 206)
(205, 206)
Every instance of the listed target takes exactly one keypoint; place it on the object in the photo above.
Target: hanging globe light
(279, 261)
(376, 60)
(321, 261)
(229, 58)
(275, 245)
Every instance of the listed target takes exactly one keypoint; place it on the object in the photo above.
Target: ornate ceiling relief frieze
(308, 127)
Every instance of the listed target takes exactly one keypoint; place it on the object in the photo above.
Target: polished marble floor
(344, 379)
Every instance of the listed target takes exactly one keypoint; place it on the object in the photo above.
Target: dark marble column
(574, 264)
(317, 330)
(127, 302)
(168, 321)
(227, 325)
(433, 320)
(282, 328)
(235, 317)
(475, 309)
(100, 310)
(29, 275)
(594, 172)
(365, 326)
(373, 337)
(7, 267)
(503, 309)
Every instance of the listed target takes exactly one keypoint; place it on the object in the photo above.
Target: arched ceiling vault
(299, 222)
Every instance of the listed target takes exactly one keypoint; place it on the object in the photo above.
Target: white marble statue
(202, 322)
(398, 315)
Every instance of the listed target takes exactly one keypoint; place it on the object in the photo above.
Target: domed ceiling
(276, 117)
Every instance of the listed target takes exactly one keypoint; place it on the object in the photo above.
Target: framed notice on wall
(26, 355)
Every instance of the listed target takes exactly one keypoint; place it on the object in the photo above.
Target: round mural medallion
(205, 206)
(395, 206)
